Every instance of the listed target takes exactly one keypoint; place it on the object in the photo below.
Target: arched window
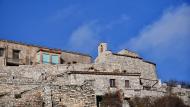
(101, 48)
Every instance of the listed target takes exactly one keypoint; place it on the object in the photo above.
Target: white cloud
(85, 38)
(166, 39)
(122, 19)
(66, 12)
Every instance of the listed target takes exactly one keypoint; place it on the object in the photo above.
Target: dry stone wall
(73, 95)
(58, 85)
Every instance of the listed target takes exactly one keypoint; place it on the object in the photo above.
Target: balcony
(14, 61)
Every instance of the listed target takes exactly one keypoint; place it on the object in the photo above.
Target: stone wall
(2, 61)
(129, 64)
(67, 82)
(27, 53)
(38, 86)
(75, 58)
(74, 95)
(47, 95)
(102, 83)
(183, 93)
(18, 95)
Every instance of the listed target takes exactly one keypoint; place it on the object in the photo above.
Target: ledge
(104, 73)
(134, 57)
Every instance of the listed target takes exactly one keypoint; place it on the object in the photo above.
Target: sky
(159, 30)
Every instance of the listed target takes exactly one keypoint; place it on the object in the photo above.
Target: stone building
(14, 53)
(80, 84)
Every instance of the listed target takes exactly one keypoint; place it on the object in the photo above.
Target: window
(16, 54)
(62, 61)
(146, 87)
(74, 62)
(17, 96)
(45, 58)
(55, 59)
(112, 83)
(101, 49)
(1, 52)
(124, 71)
(127, 84)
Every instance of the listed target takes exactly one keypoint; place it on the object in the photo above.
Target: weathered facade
(16, 53)
(82, 84)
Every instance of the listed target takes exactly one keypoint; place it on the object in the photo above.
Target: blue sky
(159, 30)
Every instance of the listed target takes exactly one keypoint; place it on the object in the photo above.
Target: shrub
(165, 101)
(169, 101)
(140, 102)
(112, 100)
(174, 83)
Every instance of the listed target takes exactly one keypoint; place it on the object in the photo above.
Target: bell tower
(102, 48)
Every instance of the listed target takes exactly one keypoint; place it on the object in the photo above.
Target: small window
(112, 83)
(45, 58)
(68, 63)
(127, 85)
(74, 62)
(16, 54)
(91, 68)
(55, 59)
(146, 87)
(62, 61)
(101, 49)
(1, 52)
(124, 71)
(17, 96)
(43, 104)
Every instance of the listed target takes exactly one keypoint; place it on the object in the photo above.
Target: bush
(169, 101)
(174, 83)
(140, 102)
(112, 100)
(165, 101)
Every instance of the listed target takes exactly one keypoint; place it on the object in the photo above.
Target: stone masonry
(80, 84)
(28, 53)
